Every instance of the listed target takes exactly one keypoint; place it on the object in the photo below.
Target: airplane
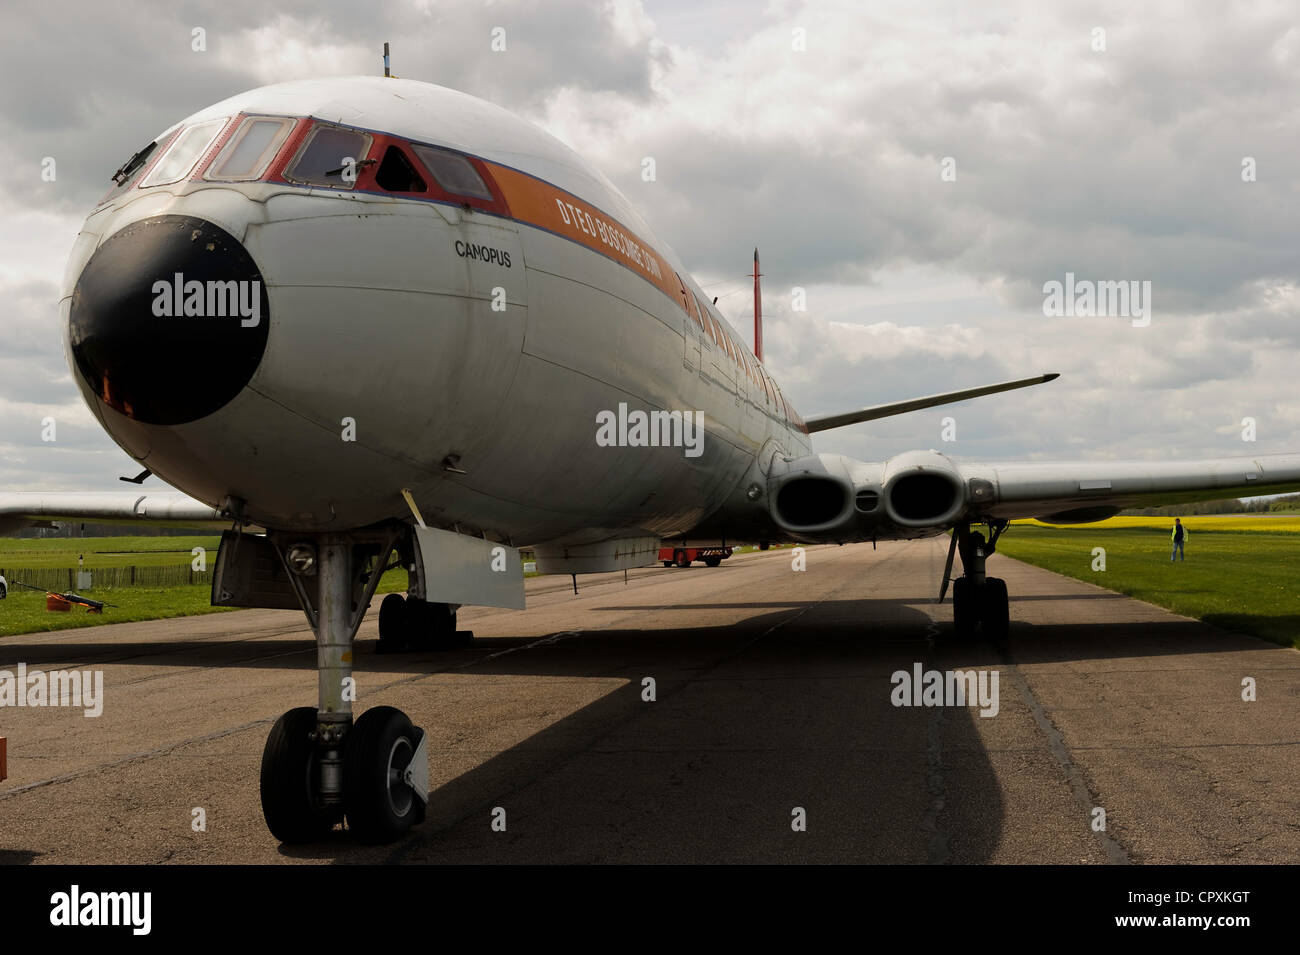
(369, 322)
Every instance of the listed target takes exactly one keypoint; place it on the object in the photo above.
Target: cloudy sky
(920, 170)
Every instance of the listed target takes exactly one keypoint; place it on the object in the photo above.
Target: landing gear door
(459, 569)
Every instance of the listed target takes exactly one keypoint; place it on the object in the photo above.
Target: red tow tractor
(685, 556)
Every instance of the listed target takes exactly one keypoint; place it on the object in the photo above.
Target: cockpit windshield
(250, 149)
(183, 153)
(330, 157)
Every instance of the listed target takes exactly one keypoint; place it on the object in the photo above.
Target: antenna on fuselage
(386, 72)
(758, 309)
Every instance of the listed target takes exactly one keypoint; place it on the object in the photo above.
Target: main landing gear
(406, 623)
(320, 766)
(978, 602)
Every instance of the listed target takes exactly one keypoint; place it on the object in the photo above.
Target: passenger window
(251, 149)
(321, 159)
(454, 173)
(183, 153)
(397, 174)
(698, 313)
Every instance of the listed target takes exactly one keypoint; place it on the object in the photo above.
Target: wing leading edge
(21, 508)
(1079, 492)
(826, 422)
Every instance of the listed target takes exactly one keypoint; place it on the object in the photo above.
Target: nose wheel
(291, 799)
(385, 771)
(385, 775)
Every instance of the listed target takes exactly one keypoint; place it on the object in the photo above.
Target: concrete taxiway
(773, 695)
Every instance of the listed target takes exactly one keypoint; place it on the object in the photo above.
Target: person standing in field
(1179, 535)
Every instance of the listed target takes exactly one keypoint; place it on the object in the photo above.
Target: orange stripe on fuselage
(536, 202)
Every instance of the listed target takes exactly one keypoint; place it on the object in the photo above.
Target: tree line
(1234, 505)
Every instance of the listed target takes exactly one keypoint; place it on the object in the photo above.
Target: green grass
(24, 610)
(1238, 580)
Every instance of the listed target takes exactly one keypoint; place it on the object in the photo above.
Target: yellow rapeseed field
(1282, 524)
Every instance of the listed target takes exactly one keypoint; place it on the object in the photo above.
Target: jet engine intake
(923, 489)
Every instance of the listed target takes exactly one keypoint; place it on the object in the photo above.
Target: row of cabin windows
(723, 339)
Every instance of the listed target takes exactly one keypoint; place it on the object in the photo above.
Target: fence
(61, 579)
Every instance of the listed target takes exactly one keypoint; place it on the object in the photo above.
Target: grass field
(1241, 573)
(24, 610)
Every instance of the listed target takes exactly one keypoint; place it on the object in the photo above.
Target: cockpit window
(250, 149)
(397, 174)
(454, 172)
(183, 153)
(330, 157)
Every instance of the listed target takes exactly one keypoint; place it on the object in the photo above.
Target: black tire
(668, 563)
(290, 801)
(433, 625)
(995, 609)
(394, 624)
(965, 611)
(682, 560)
(380, 807)
(712, 561)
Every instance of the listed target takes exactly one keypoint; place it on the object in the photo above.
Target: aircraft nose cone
(169, 319)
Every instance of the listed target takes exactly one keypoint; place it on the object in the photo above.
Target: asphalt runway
(773, 695)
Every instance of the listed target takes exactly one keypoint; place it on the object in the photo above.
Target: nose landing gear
(320, 767)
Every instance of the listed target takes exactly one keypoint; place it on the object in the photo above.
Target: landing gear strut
(978, 602)
(319, 767)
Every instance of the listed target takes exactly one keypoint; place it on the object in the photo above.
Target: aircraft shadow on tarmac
(749, 724)
(751, 721)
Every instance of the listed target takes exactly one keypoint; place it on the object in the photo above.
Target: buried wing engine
(832, 498)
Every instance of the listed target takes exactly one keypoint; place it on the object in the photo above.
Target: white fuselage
(462, 353)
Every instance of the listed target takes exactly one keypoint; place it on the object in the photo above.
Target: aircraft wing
(826, 422)
(1079, 492)
(21, 508)
(830, 497)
